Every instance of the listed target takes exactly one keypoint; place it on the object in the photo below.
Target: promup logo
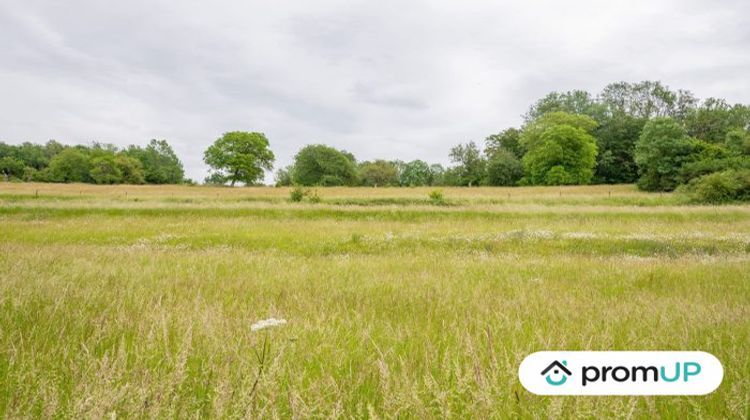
(556, 367)
(621, 373)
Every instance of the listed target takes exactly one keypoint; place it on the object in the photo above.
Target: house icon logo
(559, 370)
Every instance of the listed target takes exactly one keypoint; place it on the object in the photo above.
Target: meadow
(137, 301)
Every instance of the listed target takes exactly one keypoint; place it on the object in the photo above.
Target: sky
(381, 79)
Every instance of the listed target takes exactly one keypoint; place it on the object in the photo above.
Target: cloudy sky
(382, 79)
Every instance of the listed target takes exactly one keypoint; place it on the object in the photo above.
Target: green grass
(140, 304)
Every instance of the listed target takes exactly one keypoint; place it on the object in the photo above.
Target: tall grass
(110, 306)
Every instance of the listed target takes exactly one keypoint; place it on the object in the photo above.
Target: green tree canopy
(105, 171)
(130, 168)
(416, 173)
(715, 118)
(318, 164)
(571, 102)
(160, 164)
(647, 99)
(283, 177)
(503, 168)
(240, 156)
(438, 174)
(378, 173)
(661, 150)
(615, 139)
(561, 149)
(509, 139)
(70, 165)
(470, 169)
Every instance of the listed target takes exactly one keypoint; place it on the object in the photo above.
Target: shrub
(297, 194)
(437, 197)
(719, 187)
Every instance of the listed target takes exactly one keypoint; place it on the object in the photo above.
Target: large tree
(318, 164)
(571, 102)
(105, 171)
(470, 169)
(416, 173)
(11, 167)
(647, 99)
(561, 149)
(615, 138)
(160, 163)
(378, 173)
(71, 165)
(715, 118)
(239, 156)
(503, 168)
(508, 139)
(660, 152)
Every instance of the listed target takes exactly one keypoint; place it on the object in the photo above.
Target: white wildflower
(267, 323)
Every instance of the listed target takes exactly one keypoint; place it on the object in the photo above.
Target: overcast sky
(382, 79)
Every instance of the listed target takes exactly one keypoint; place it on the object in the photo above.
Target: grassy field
(137, 300)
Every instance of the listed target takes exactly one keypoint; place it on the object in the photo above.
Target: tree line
(98, 164)
(644, 133)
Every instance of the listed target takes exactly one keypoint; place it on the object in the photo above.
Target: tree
(378, 173)
(646, 100)
(160, 164)
(33, 155)
(615, 139)
(738, 141)
(240, 157)
(471, 165)
(715, 118)
(415, 174)
(70, 165)
(130, 168)
(283, 177)
(532, 131)
(437, 174)
(509, 139)
(660, 152)
(318, 164)
(215, 178)
(503, 168)
(105, 171)
(571, 102)
(561, 149)
(12, 167)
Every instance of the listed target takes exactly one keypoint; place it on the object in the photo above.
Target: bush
(719, 187)
(699, 168)
(437, 197)
(297, 194)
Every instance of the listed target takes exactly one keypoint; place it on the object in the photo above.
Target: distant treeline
(630, 132)
(98, 163)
